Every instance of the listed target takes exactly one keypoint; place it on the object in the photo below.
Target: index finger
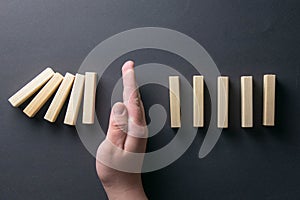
(137, 130)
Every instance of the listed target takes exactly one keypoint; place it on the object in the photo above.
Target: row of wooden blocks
(79, 85)
(222, 101)
(85, 85)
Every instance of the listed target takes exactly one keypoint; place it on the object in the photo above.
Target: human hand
(127, 131)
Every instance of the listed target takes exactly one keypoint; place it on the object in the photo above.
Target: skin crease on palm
(123, 132)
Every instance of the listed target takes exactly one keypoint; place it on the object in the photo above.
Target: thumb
(118, 125)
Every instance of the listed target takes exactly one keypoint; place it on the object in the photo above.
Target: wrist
(136, 193)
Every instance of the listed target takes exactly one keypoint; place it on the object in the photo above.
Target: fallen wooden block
(30, 88)
(41, 98)
(90, 87)
(75, 100)
(59, 98)
(174, 92)
(269, 100)
(223, 90)
(198, 101)
(246, 102)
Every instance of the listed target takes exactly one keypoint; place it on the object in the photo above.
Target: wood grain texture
(59, 98)
(174, 92)
(42, 97)
(198, 101)
(31, 87)
(246, 101)
(89, 100)
(269, 100)
(223, 93)
(75, 100)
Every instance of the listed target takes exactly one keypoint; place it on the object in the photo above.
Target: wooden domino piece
(269, 100)
(42, 97)
(89, 98)
(75, 100)
(174, 92)
(30, 88)
(198, 101)
(246, 102)
(223, 93)
(59, 98)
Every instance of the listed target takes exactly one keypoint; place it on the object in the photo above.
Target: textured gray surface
(39, 160)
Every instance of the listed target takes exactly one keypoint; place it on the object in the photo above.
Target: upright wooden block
(223, 93)
(30, 88)
(174, 91)
(75, 100)
(41, 98)
(198, 101)
(59, 98)
(89, 98)
(269, 100)
(246, 102)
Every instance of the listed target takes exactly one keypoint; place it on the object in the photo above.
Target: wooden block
(59, 98)
(41, 98)
(198, 101)
(246, 102)
(174, 91)
(223, 93)
(30, 88)
(75, 100)
(269, 100)
(89, 98)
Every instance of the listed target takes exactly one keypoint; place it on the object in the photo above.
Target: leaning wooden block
(89, 98)
(30, 88)
(59, 98)
(246, 102)
(269, 100)
(41, 98)
(223, 90)
(174, 89)
(75, 100)
(198, 101)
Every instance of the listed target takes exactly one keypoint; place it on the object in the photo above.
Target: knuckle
(135, 98)
(135, 101)
(138, 116)
(120, 126)
(140, 132)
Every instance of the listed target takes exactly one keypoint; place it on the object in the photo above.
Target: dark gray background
(39, 160)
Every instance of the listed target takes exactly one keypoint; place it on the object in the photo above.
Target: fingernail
(119, 109)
